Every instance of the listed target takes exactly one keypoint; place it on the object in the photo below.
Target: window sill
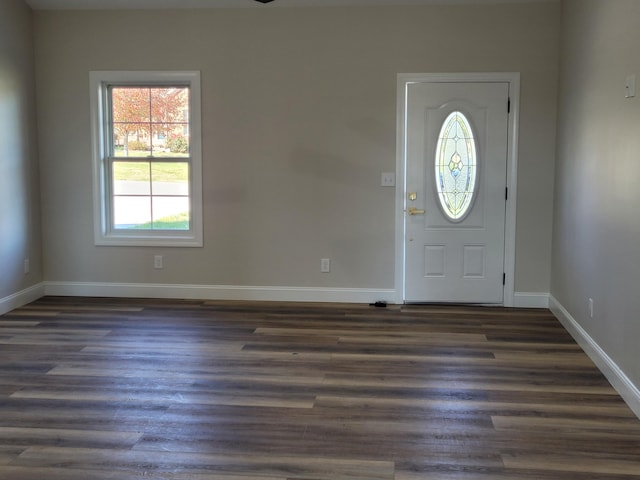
(124, 240)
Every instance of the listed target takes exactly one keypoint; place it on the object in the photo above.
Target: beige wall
(597, 224)
(299, 120)
(19, 196)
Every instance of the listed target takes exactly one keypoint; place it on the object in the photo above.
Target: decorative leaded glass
(456, 166)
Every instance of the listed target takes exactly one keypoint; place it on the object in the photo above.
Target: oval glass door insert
(456, 167)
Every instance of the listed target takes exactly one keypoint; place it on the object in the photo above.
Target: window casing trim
(104, 234)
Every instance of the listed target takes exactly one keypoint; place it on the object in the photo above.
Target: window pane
(131, 178)
(171, 213)
(170, 178)
(131, 116)
(131, 140)
(131, 212)
(130, 105)
(170, 117)
(150, 121)
(169, 105)
(456, 166)
(170, 140)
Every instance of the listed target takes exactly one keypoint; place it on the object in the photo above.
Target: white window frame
(104, 233)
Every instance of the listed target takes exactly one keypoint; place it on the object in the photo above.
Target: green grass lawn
(162, 172)
(171, 222)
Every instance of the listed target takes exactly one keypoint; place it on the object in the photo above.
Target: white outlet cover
(325, 265)
(630, 86)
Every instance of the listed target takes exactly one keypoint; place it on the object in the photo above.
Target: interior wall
(299, 121)
(20, 237)
(596, 241)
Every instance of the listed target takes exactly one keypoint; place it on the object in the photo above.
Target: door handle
(415, 211)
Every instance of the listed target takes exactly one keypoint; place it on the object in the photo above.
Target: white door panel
(455, 259)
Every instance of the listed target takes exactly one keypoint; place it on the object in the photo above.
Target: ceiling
(164, 4)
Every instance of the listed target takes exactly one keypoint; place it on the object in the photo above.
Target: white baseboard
(618, 379)
(21, 298)
(530, 300)
(220, 292)
(226, 292)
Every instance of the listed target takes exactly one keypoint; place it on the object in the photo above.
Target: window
(456, 166)
(147, 158)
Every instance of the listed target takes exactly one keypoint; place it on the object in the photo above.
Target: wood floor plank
(52, 473)
(200, 463)
(574, 463)
(116, 388)
(605, 427)
(59, 436)
(467, 384)
(164, 398)
(422, 406)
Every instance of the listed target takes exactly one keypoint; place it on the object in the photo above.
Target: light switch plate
(388, 179)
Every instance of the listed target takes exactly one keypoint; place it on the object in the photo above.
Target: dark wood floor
(192, 390)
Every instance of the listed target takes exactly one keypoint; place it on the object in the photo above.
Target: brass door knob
(415, 211)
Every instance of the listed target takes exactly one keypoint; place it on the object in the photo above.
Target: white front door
(456, 141)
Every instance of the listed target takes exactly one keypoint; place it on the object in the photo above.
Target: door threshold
(451, 304)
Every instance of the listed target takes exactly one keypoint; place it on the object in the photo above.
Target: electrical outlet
(27, 267)
(158, 261)
(325, 265)
(630, 87)
(591, 307)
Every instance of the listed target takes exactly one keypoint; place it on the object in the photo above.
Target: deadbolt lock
(413, 196)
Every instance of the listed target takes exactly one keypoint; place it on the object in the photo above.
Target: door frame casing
(513, 79)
